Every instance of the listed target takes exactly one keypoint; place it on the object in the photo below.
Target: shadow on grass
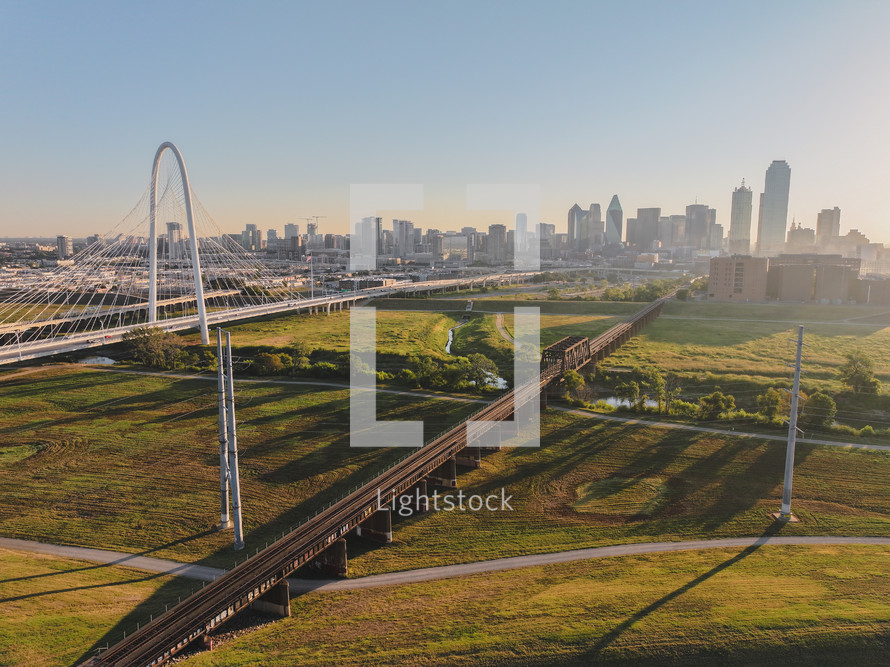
(121, 562)
(595, 652)
(58, 591)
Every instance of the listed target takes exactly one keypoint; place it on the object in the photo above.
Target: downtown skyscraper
(773, 216)
(740, 221)
(614, 222)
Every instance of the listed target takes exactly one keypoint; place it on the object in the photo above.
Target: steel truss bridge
(260, 581)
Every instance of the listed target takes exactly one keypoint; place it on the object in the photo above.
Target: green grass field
(735, 341)
(53, 610)
(130, 462)
(596, 483)
(806, 605)
(397, 333)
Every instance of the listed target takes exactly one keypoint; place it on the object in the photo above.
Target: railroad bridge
(261, 580)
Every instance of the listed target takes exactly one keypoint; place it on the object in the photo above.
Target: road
(431, 573)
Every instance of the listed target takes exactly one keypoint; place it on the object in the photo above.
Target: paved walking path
(428, 573)
(499, 323)
(115, 558)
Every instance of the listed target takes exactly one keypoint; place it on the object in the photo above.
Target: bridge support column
(328, 311)
(445, 474)
(275, 601)
(377, 527)
(544, 398)
(418, 499)
(469, 457)
(332, 560)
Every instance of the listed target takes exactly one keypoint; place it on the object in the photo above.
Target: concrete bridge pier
(417, 498)
(445, 474)
(332, 560)
(469, 457)
(276, 600)
(377, 527)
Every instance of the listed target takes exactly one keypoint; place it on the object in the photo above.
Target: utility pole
(233, 448)
(785, 513)
(228, 441)
(224, 521)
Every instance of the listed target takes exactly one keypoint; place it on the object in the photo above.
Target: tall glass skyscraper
(740, 221)
(614, 221)
(773, 217)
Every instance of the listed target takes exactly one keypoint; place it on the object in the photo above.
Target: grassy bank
(54, 609)
(130, 462)
(809, 605)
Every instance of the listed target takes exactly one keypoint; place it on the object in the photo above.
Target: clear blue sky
(279, 106)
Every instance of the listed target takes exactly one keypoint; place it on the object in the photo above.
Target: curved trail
(429, 573)
(499, 323)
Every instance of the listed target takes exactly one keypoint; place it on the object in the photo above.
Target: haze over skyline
(278, 107)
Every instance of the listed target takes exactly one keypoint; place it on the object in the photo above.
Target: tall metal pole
(233, 449)
(152, 266)
(224, 521)
(785, 513)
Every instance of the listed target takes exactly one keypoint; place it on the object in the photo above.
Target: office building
(828, 226)
(772, 222)
(740, 220)
(698, 233)
(614, 222)
(64, 247)
(497, 242)
(403, 238)
(738, 278)
(174, 241)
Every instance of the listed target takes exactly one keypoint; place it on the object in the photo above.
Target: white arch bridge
(186, 275)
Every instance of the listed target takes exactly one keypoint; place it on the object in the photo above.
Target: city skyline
(275, 130)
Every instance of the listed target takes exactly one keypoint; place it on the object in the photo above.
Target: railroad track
(218, 601)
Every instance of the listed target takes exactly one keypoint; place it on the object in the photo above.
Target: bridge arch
(193, 240)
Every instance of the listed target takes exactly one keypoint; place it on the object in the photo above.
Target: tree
(271, 364)
(300, 348)
(672, 390)
(155, 347)
(574, 383)
(714, 404)
(427, 372)
(628, 391)
(653, 384)
(858, 373)
(483, 371)
(769, 402)
(819, 410)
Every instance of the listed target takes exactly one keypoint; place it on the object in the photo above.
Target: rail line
(196, 616)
